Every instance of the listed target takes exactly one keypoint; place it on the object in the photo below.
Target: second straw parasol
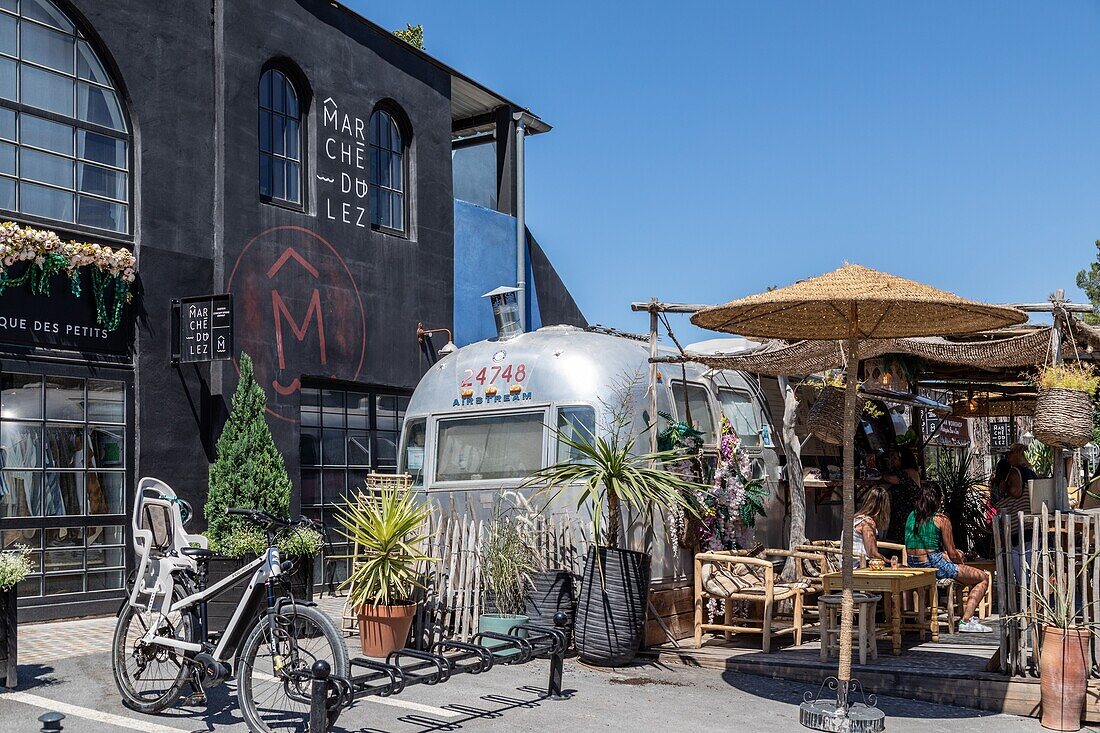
(853, 303)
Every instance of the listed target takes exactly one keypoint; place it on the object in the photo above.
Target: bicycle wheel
(149, 677)
(272, 700)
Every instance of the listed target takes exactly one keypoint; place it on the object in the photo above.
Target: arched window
(64, 140)
(387, 173)
(280, 139)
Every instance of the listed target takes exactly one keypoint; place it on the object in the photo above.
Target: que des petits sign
(202, 328)
(60, 322)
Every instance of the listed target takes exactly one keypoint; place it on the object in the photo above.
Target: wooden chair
(734, 577)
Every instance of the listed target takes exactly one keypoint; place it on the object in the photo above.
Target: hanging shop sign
(949, 431)
(202, 328)
(1000, 435)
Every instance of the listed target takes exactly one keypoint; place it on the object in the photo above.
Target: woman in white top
(872, 518)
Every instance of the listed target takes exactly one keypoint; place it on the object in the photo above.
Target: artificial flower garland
(47, 255)
(734, 500)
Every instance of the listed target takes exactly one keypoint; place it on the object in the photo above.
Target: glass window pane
(22, 444)
(102, 149)
(46, 202)
(20, 396)
(105, 535)
(742, 414)
(9, 35)
(278, 135)
(293, 182)
(46, 90)
(63, 493)
(47, 47)
(310, 398)
(7, 194)
(375, 206)
(413, 458)
(265, 131)
(22, 493)
(61, 537)
(577, 424)
(106, 493)
(10, 5)
(64, 448)
(291, 138)
(9, 80)
(309, 446)
(102, 214)
(311, 488)
(61, 584)
(335, 486)
(110, 557)
(64, 398)
(46, 12)
(385, 416)
(332, 402)
(99, 106)
(101, 181)
(489, 448)
(29, 538)
(386, 443)
(278, 179)
(106, 446)
(88, 66)
(397, 212)
(7, 123)
(396, 171)
(7, 159)
(358, 410)
(265, 90)
(699, 406)
(106, 400)
(332, 448)
(291, 108)
(104, 579)
(43, 133)
(278, 91)
(45, 167)
(358, 448)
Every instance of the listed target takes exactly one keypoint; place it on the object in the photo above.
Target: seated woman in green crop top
(930, 543)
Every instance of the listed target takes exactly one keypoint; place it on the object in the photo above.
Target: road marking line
(88, 714)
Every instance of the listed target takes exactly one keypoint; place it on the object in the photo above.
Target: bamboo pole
(844, 672)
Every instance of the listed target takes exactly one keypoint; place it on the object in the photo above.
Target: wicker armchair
(737, 577)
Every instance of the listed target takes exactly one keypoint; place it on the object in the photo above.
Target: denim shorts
(945, 569)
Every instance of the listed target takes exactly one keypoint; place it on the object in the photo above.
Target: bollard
(51, 721)
(557, 662)
(318, 698)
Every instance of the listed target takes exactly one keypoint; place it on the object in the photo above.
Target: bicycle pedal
(195, 699)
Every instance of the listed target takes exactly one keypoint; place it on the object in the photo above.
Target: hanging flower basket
(1063, 417)
(42, 254)
(826, 420)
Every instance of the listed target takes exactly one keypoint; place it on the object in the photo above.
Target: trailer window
(579, 425)
(489, 448)
(412, 457)
(742, 414)
(699, 405)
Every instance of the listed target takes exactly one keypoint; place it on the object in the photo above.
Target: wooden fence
(1051, 563)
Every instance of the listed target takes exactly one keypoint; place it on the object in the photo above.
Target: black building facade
(287, 152)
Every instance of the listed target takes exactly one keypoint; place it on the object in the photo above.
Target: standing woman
(931, 544)
(904, 491)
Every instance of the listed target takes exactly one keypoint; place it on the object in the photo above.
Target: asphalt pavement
(504, 700)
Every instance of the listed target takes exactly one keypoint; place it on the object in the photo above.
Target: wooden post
(653, 421)
(844, 671)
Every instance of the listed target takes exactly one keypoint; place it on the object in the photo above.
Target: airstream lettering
(501, 426)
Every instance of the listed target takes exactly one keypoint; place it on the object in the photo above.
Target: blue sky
(706, 150)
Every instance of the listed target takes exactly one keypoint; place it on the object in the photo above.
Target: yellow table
(895, 583)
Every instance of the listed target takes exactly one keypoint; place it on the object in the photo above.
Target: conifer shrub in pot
(15, 565)
(611, 478)
(508, 561)
(390, 528)
(248, 472)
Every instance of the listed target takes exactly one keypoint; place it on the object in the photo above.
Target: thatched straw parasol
(853, 303)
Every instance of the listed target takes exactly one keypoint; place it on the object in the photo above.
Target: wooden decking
(950, 672)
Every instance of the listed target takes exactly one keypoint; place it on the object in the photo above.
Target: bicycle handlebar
(266, 519)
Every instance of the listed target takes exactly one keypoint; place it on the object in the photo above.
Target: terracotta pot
(383, 629)
(1063, 676)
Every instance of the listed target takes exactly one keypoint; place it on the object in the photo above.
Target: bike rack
(406, 667)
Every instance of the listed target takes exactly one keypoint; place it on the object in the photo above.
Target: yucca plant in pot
(611, 477)
(508, 562)
(389, 528)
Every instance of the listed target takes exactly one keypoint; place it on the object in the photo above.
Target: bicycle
(162, 641)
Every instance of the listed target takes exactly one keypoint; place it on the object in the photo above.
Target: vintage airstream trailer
(480, 420)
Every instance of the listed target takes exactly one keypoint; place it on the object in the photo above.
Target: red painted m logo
(280, 311)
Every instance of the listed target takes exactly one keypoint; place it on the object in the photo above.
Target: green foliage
(1041, 458)
(15, 565)
(611, 474)
(965, 501)
(508, 560)
(301, 542)
(412, 35)
(389, 528)
(1089, 281)
(249, 471)
(249, 542)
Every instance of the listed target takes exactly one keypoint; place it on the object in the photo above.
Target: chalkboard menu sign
(1000, 435)
(202, 328)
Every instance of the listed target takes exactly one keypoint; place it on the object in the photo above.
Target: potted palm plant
(508, 562)
(389, 528)
(610, 622)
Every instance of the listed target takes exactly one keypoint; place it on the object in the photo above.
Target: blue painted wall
(485, 259)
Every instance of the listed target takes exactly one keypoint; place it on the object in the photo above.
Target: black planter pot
(551, 592)
(9, 636)
(610, 623)
(220, 610)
